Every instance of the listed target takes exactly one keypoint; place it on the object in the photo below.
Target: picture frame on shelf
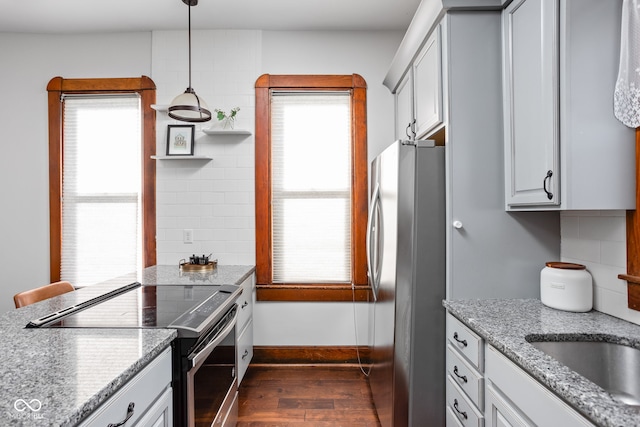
(180, 140)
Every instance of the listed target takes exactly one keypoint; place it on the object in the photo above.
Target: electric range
(204, 354)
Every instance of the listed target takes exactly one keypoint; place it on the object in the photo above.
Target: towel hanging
(626, 104)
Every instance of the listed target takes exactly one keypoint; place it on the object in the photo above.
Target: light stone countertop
(505, 324)
(221, 275)
(70, 372)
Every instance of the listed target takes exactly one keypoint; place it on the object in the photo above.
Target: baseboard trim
(310, 355)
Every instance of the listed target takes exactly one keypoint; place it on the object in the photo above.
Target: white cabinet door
(507, 382)
(404, 108)
(161, 413)
(500, 413)
(531, 102)
(427, 85)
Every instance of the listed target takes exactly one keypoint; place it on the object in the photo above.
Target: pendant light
(189, 107)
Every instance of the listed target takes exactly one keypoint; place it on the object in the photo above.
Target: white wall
(216, 198)
(597, 239)
(29, 61)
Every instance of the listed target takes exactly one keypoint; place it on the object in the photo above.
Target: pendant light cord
(189, 46)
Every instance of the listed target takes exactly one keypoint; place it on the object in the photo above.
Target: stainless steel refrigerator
(406, 246)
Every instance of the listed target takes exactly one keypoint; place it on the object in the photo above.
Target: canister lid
(565, 265)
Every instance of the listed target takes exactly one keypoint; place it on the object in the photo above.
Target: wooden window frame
(146, 88)
(266, 289)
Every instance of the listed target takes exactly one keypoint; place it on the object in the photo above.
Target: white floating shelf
(214, 131)
(159, 107)
(182, 158)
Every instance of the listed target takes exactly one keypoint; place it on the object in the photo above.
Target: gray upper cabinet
(404, 108)
(419, 94)
(460, 44)
(427, 82)
(563, 147)
(531, 102)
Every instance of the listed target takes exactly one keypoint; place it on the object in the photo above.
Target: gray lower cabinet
(465, 378)
(514, 398)
(244, 326)
(485, 388)
(144, 401)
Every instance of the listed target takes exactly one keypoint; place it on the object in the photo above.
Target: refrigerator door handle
(371, 265)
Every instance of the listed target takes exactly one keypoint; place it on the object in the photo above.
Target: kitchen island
(504, 324)
(58, 376)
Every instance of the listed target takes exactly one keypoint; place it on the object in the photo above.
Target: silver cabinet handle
(129, 415)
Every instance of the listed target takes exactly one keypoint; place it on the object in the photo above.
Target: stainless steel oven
(211, 379)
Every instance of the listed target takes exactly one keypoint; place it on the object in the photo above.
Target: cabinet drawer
(245, 302)
(142, 390)
(465, 341)
(469, 380)
(245, 350)
(465, 411)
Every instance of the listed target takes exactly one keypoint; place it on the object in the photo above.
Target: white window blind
(311, 187)
(101, 188)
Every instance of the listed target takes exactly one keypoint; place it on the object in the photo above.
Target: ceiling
(93, 16)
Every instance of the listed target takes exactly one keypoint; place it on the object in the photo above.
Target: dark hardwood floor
(305, 396)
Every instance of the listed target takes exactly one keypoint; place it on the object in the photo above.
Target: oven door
(212, 385)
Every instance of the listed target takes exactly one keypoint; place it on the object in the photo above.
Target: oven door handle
(198, 359)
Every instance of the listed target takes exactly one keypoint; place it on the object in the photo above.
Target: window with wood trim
(311, 188)
(73, 105)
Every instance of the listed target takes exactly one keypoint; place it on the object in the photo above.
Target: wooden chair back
(44, 292)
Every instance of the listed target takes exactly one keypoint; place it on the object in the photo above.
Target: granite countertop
(70, 372)
(505, 324)
(172, 275)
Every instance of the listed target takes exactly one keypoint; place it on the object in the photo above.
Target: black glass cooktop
(187, 307)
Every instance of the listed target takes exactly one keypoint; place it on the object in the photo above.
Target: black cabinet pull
(245, 354)
(463, 342)
(455, 406)
(544, 184)
(244, 304)
(462, 377)
(129, 415)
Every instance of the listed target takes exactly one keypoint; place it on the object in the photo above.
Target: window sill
(313, 293)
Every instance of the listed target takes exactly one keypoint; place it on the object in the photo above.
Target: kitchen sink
(614, 367)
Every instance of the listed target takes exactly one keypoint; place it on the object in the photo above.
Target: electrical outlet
(187, 235)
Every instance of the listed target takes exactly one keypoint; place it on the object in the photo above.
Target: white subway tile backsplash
(588, 250)
(214, 198)
(569, 225)
(614, 254)
(600, 244)
(602, 228)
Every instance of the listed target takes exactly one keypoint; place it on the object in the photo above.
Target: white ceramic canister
(566, 286)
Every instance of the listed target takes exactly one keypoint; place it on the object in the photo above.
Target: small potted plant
(227, 120)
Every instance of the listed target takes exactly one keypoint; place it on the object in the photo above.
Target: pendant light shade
(189, 107)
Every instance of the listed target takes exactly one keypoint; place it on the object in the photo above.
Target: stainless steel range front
(205, 385)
